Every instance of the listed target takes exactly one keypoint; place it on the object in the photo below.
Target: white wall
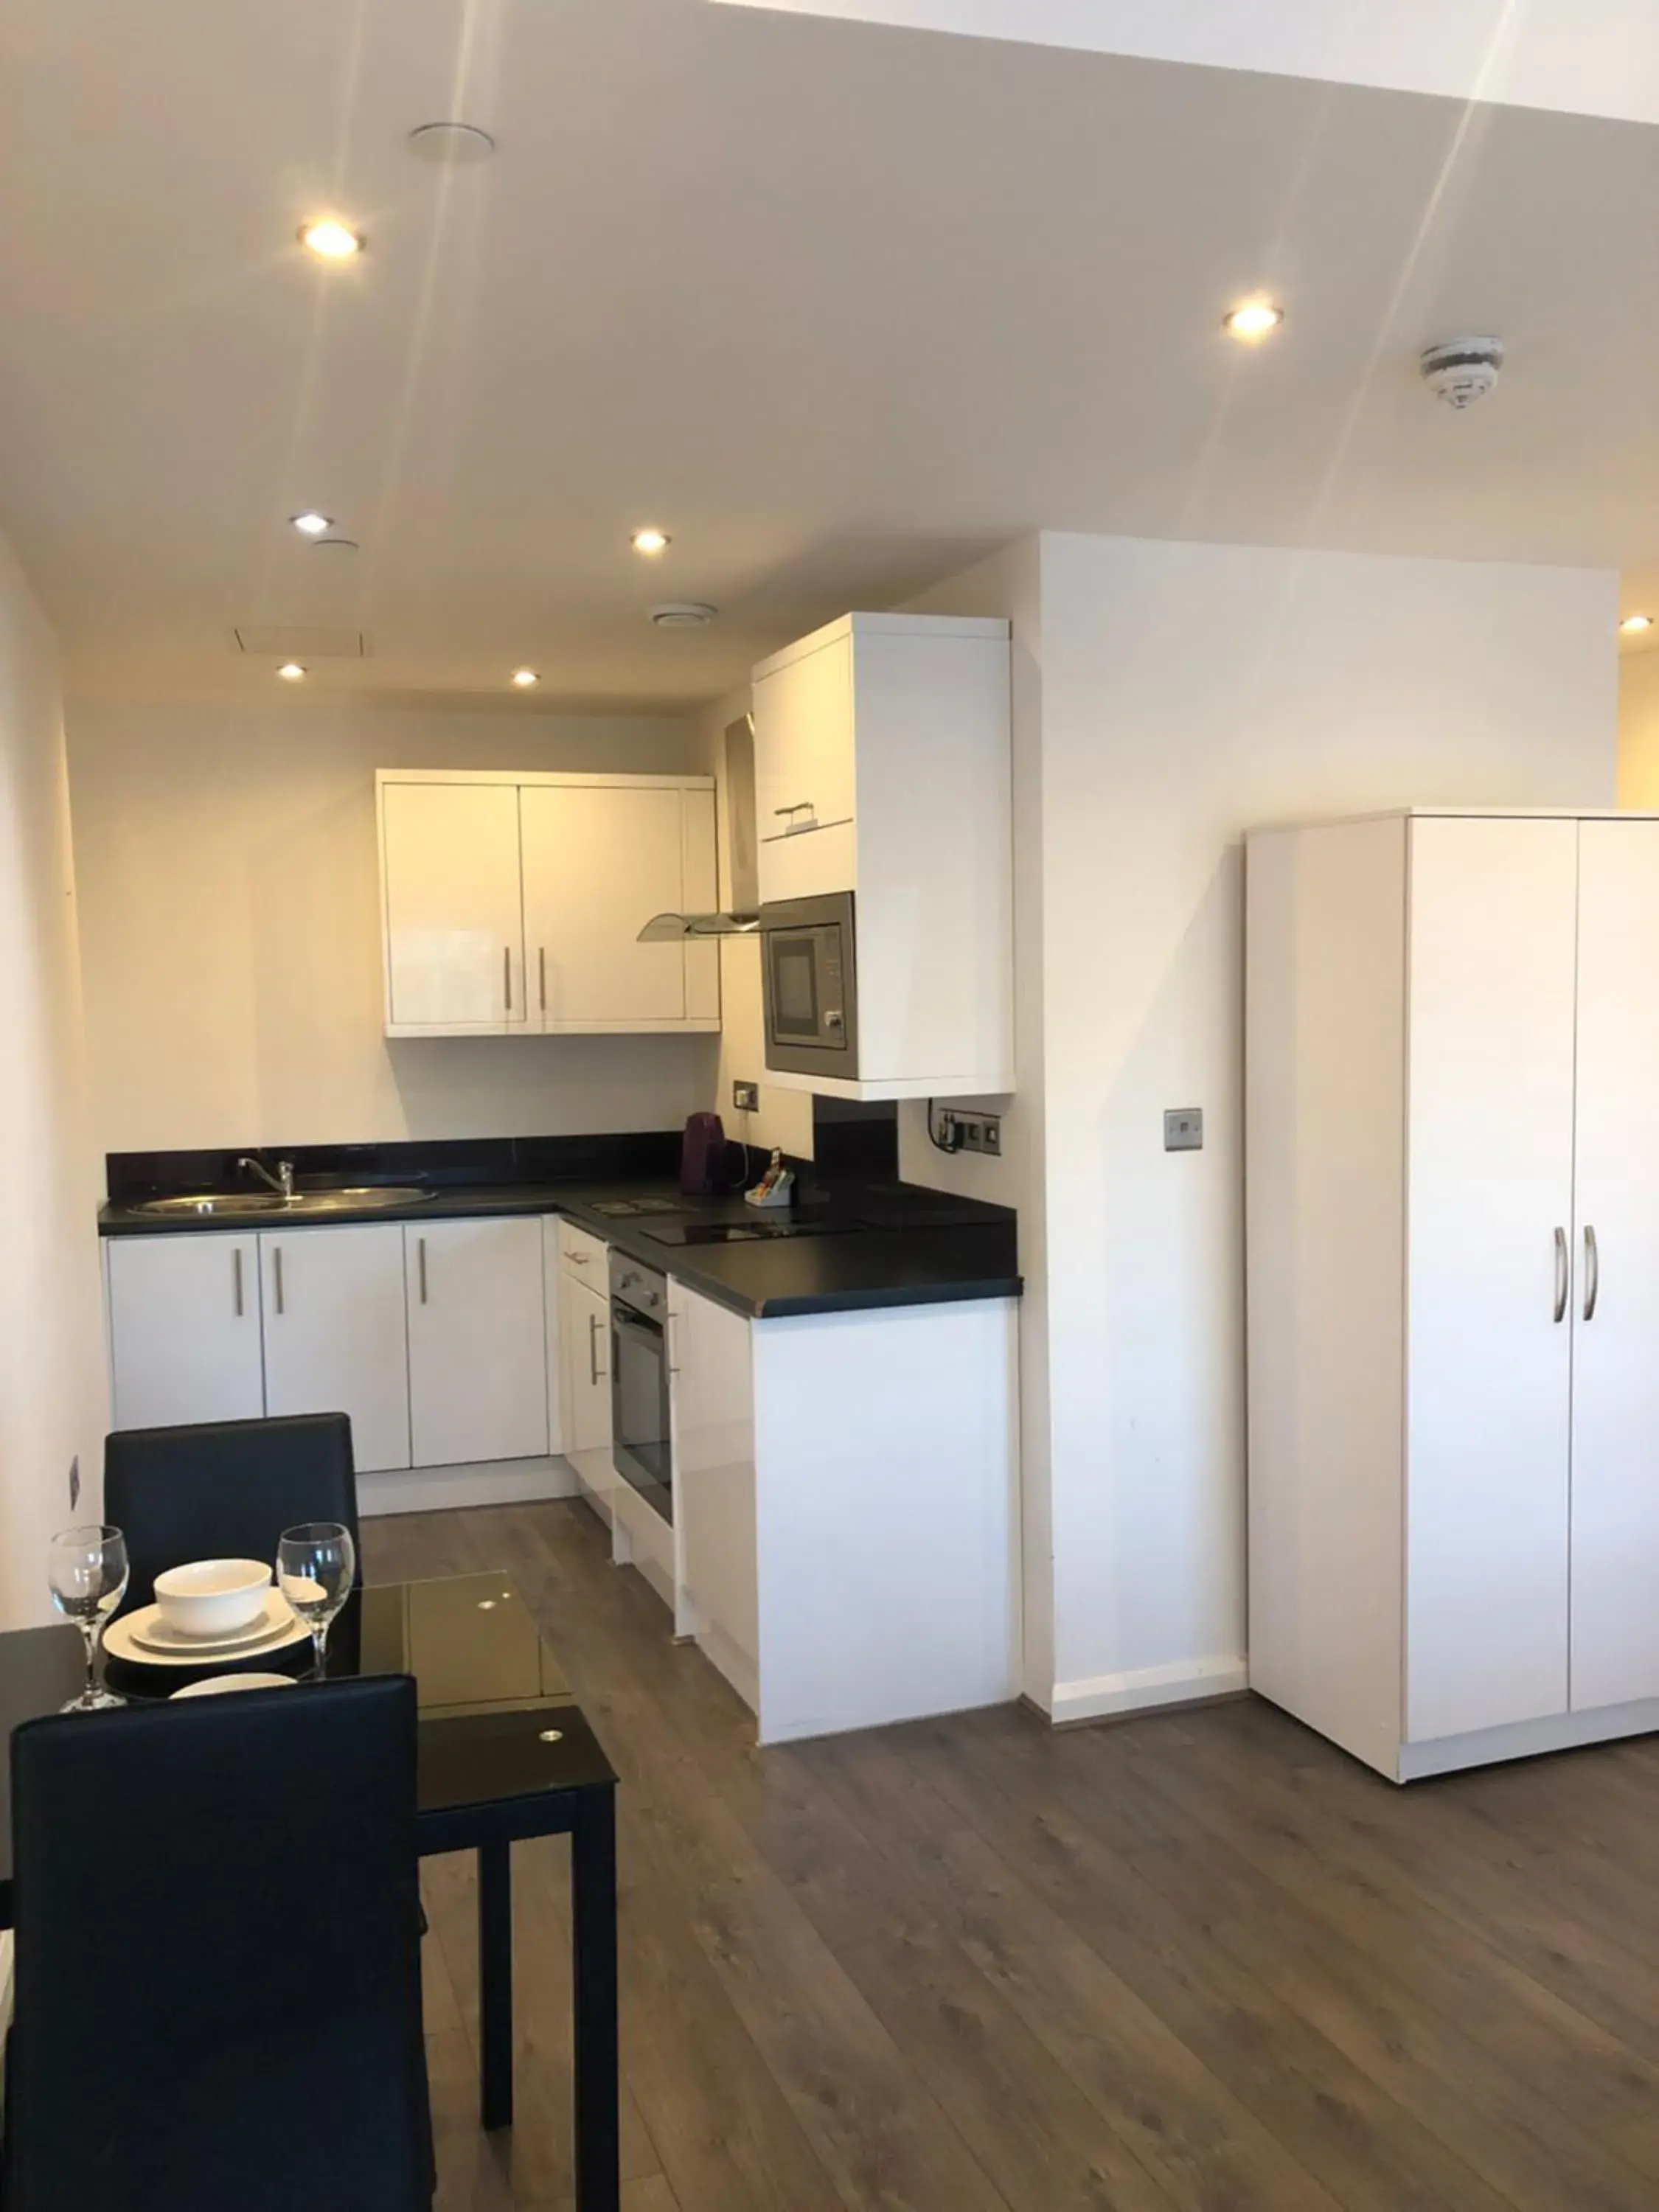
(51, 1366)
(1009, 585)
(1580, 57)
(1639, 730)
(1168, 696)
(785, 1117)
(231, 934)
(1189, 691)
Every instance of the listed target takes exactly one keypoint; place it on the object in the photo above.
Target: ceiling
(842, 307)
(1585, 56)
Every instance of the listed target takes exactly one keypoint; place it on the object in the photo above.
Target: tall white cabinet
(1453, 1231)
(883, 767)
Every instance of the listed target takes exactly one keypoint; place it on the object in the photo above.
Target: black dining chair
(217, 1996)
(225, 1489)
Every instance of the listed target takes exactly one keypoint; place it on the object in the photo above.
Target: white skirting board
(491, 1482)
(1146, 1688)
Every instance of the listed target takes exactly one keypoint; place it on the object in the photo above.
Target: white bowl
(213, 1597)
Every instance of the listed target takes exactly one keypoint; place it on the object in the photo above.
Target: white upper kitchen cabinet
(336, 1333)
(805, 752)
(599, 860)
(184, 1327)
(452, 909)
(513, 903)
(478, 1340)
(883, 768)
(1453, 1282)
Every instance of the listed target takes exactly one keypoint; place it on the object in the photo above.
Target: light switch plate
(745, 1097)
(1184, 1129)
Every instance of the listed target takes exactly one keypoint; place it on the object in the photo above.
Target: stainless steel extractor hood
(744, 920)
(671, 928)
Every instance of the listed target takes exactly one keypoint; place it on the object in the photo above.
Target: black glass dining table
(505, 1753)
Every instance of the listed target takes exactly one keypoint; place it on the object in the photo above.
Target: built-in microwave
(810, 986)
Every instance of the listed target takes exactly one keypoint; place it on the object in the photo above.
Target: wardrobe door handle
(507, 974)
(1562, 1276)
(276, 1268)
(1592, 1274)
(236, 1280)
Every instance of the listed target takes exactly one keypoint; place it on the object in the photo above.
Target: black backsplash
(854, 1142)
(466, 1162)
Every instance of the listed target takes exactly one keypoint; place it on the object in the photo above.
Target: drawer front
(584, 1257)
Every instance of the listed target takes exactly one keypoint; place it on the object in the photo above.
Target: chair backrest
(225, 1489)
(218, 1995)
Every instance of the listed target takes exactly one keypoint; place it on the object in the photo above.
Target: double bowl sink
(223, 1203)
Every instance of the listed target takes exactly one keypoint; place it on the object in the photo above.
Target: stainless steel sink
(354, 1202)
(230, 1202)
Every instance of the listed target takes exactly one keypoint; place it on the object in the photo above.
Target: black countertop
(909, 1247)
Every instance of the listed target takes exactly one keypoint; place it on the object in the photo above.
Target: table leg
(594, 1916)
(496, 1984)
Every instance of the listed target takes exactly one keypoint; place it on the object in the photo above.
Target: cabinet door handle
(668, 1334)
(1561, 1276)
(595, 1373)
(236, 1280)
(420, 1254)
(276, 1269)
(507, 974)
(541, 964)
(1592, 1274)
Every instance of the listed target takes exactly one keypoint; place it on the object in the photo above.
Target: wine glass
(88, 1571)
(315, 1563)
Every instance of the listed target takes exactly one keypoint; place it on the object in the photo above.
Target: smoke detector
(1461, 371)
(683, 614)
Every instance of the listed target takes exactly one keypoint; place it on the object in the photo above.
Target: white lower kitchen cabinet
(585, 1345)
(441, 1339)
(183, 1329)
(336, 1333)
(847, 1508)
(478, 1357)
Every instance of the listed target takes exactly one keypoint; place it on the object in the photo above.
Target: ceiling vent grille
(300, 641)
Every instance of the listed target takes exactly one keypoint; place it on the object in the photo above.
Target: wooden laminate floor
(1199, 1961)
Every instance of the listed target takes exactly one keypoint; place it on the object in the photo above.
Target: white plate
(121, 1642)
(150, 1627)
(215, 1684)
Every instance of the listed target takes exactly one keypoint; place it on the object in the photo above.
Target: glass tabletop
(499, 1722)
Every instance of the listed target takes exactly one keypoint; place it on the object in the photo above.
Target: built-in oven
(811, 984)
(639, 1446)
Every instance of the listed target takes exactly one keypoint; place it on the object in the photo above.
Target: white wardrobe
(1452, 1107)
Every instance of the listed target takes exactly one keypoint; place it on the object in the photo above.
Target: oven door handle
(624, 1317)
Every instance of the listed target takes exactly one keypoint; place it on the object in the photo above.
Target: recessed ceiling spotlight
(292, 671)
(454, 145)
(651, 540)
(524, 677)
(1252, 320)
(683, 614)
(330, 240)
(1632, 624)
(310, 524)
